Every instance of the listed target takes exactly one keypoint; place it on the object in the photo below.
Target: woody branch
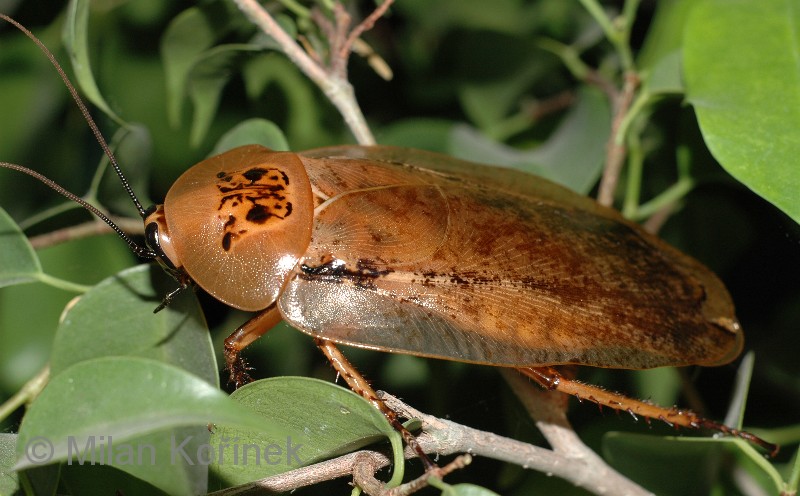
(569, 459)
(331, 78)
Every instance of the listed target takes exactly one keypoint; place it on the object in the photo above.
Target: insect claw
(237, 368)
(172, 294)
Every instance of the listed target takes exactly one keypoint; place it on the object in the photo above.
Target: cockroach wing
(240, 221)
(426, 163)
(503, 279)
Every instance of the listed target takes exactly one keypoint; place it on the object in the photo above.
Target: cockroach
(406, 251)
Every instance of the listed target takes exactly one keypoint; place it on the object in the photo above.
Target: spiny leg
(242, 337)
(361, 387)
(550, 378)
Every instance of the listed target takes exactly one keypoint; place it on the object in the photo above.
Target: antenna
(140, 251)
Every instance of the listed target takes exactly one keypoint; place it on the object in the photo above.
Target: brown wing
(503, 279)
(405, 160)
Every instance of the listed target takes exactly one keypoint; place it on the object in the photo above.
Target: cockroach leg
(361, 387)
(243, 337)
(550, 378)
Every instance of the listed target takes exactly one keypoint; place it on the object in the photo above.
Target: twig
(551, 419)
(365, 25)
(91, 228)
(331, 80)
(615, 151)
(542, 108)
(364, 477)
(579, 466)
(572, 461)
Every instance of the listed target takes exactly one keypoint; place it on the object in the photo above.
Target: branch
(364, 477)
(570, 460)
(616, 150)
(549, 412)
(333, 83)
(85, 230)
(365, 25)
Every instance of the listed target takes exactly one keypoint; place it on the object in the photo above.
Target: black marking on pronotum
(257, 173)
(262, 191)
(226, 240)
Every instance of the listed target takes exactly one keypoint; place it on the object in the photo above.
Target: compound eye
(156, 235)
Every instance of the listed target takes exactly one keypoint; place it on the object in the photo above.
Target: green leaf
(151, 411)
(661, 385)
(30, 312)
(572, 156)
(744, 374)
(425, 134)
(76, 40)
(467, 490)
(116, 318)
(794, 476)
(643, 458)
(190, 33)
(207, 78)
(741, 63)
(102, 480)
(334, 421)
(269, 76)
(18, 262)
(133, 148)
(8, 477)
(488, 103)
(665, 35)
(252, 131)
(665, 77)
(26, 94)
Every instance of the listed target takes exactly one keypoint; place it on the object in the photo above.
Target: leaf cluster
(710, 153)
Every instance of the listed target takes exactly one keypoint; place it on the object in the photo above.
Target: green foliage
(751, 126)
(501, 82)
(18, 261)
(349, 423)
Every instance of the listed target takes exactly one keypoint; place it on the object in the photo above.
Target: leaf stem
(634, 181)
(296, 8)
(26, 394)
(667, 197)
(569, 57)
(48, 213)
(64, 284)
(617, 31)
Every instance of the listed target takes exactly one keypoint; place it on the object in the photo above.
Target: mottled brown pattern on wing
(478, 274)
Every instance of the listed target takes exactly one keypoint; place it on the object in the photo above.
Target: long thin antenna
(86, 115)
(139, 251)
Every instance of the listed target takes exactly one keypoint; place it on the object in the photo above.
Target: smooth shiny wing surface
(504, 279)
(412, 160)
